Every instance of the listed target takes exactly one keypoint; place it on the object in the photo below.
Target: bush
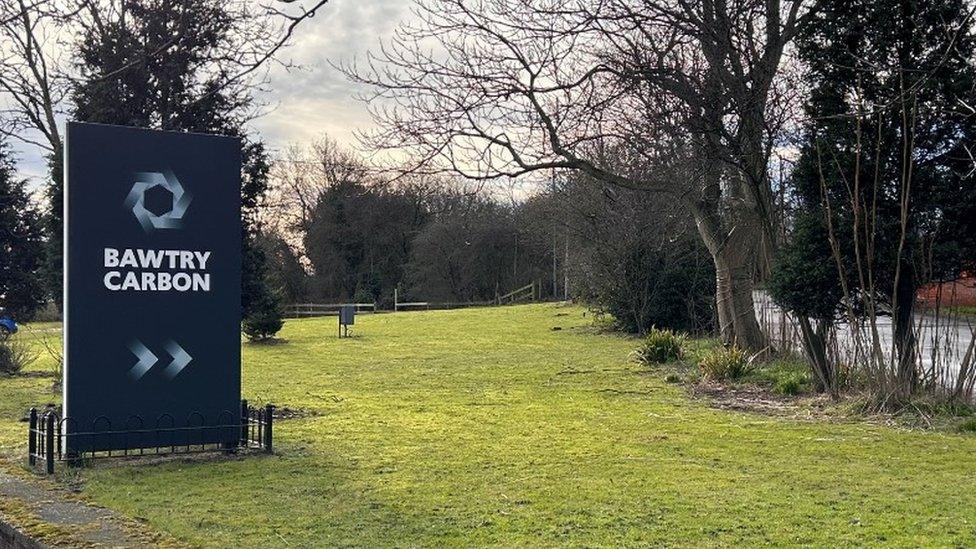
(363, 295)
(260, 302)
(48, 313)
(660, 346)
(15, 355)
(729, 363)
(647, 284)
(263, 320)
(792, 384)
(968, 426)
(603, 322)
(638, 261)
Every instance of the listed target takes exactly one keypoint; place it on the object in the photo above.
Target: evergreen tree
(53, 221)
(358, 240)
(288, 275)
(21, 245)
(161, 64)
(884, 153)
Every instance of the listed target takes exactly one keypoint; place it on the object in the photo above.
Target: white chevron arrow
(146, 359)
(180, 359)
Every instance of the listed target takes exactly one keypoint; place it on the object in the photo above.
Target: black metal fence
(49, 437)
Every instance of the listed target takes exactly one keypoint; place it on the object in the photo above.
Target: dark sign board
(152, 286)
(347, 315)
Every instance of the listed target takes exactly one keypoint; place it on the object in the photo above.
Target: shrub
(15, 355)
(262, 326)
(968, 426)
(51, 345)
(790, 385)
(363, 295)
(644, 283)
(603, 322)
(729, 363)
(660, 346)
(48, 313)
(263, 320)
(641, 264)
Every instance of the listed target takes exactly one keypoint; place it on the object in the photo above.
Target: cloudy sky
(315, 100)
(318, 100)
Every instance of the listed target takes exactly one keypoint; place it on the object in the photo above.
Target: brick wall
(960, 292)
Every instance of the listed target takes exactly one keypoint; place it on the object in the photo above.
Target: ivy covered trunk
(734, 264)
(732, 230)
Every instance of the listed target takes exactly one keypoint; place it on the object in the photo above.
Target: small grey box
(347, 315)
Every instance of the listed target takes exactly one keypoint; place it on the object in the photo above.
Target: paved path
(37, 513)
(942, 343)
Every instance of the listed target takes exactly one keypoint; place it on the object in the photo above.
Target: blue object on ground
(7, 327)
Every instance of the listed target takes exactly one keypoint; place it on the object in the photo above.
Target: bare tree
(35, 82)
(301, 174)
(501, 88)
(31, 82)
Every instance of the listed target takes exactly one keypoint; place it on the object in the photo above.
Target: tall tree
(35, 85)
(467, 251)
(688, 88)
(885, 175)
(34, 90)
(359, 239)
(161, 64)
(285, 269)
(21, 244)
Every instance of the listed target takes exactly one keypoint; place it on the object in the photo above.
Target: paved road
(943, 342)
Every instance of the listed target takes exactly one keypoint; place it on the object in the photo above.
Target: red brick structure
(961, 292)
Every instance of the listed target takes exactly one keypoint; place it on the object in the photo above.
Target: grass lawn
(486, 426)
(969, 310)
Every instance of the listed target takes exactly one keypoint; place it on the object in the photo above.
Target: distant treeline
(333, 232)
(362, 241)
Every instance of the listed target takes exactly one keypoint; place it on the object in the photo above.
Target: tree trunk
(904, 329)
(723, 306)
(733, 254)
(815, 348)
(733, 293)
(54, 221)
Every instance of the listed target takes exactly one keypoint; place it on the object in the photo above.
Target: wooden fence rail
(299, 310)
(529, 292)
(525, 293)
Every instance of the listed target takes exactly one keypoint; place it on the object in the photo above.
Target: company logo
(148, 359)
(171, 219)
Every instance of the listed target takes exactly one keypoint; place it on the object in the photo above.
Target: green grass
(486, 426)
(785, 375)
(31, 388)
(969, 310)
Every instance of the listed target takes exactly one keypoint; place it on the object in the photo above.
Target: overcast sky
(316, 100)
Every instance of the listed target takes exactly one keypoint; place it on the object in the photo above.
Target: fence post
(32, 438)
(244, 423)
(268, 423)
(49, 442)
